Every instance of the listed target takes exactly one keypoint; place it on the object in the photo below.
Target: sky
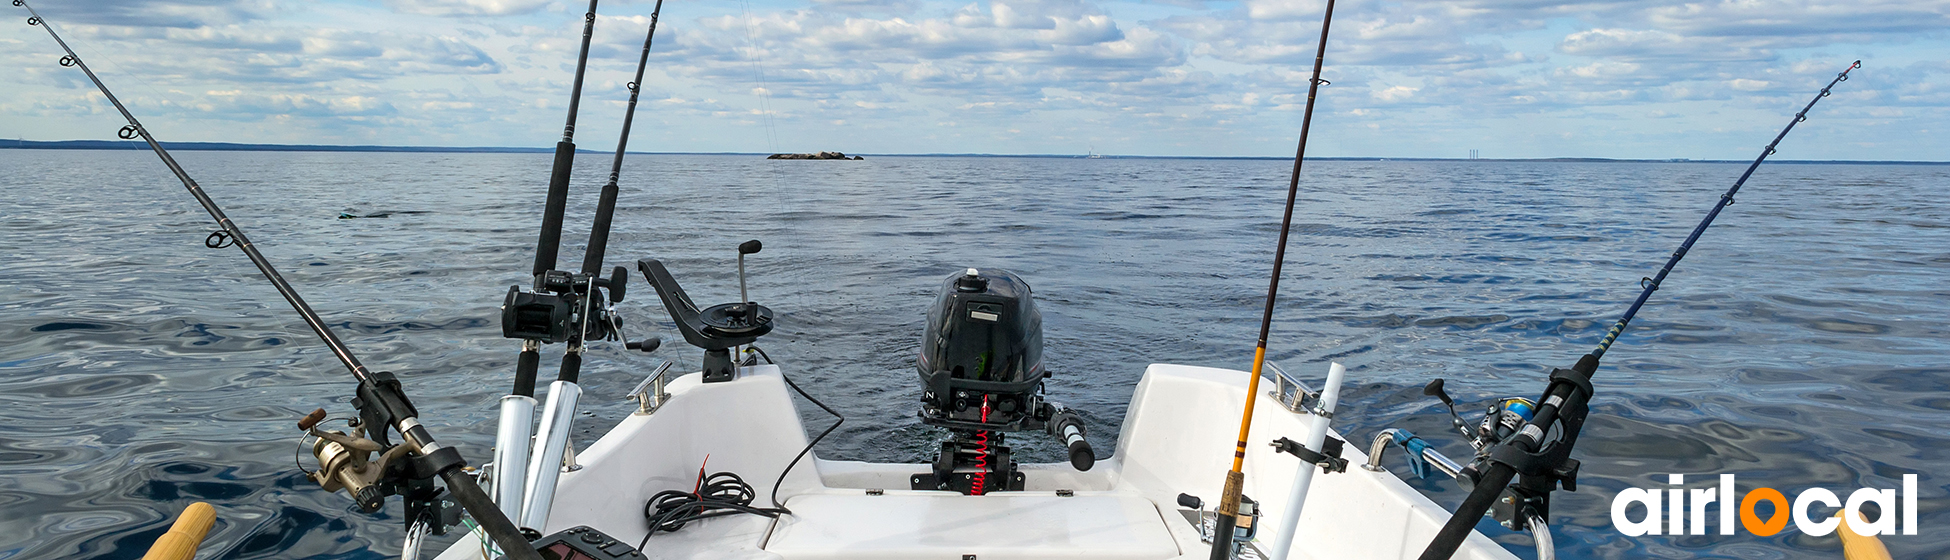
(1707, 79)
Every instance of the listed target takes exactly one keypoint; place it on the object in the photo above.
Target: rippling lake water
(1805, 342)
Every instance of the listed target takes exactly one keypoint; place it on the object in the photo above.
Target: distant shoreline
(234, 147)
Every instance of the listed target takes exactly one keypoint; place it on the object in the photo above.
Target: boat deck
(1177, 437)
(906, 524)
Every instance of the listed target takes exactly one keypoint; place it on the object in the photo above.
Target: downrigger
(981, 372)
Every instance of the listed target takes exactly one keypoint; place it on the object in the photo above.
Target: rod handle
(1472, 509)
(470, 497)
(550, 242)
(185, 535)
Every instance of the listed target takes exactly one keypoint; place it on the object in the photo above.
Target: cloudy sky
(1425, 78)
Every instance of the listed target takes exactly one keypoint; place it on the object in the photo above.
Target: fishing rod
(381, 401)
(1547, 465)
(596, 321)
(541, 315)
(592, 259)
(565, 155)
(1228, 510)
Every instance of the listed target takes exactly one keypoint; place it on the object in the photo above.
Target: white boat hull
(1177, 437)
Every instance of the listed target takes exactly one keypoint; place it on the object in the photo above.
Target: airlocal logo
(1674, 503)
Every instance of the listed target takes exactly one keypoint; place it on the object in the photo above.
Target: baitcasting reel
(981, 373)
(551, 312)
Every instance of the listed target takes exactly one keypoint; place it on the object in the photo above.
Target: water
(1802, 344)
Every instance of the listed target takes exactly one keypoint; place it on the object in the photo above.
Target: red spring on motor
(978, 485)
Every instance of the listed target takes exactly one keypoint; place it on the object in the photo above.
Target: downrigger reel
(981, 373)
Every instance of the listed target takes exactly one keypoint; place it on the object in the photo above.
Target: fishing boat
(1126, 506)
(671, 480)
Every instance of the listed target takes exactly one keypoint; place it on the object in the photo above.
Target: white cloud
(1220, 77)
(466, 7)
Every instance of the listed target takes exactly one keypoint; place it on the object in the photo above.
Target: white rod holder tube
(511, 453)
(1316, 434)
(545, 466)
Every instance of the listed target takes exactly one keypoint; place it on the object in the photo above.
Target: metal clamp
(1429, 455)
(1291, 393)
(649, 395)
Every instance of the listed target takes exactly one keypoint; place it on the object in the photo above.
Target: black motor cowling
(984, 341)
(981, 370)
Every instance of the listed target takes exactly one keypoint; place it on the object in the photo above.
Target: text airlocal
(1680, 511)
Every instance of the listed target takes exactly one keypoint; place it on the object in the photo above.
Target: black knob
(1434, 389)
(749, 247)
(648, 345)
(1081, 456)
(1190, 501)
(619, 278)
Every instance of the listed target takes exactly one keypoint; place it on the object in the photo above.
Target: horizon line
(24, 144)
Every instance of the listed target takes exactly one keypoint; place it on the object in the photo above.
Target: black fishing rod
(1228, 510)
(380, 398)
(565, 155)
(542, 316)
(1547, 465)
(579, 298)
(592, 258)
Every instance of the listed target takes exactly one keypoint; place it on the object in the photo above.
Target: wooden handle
(182, 539)
(1858, 547)
(312, 419)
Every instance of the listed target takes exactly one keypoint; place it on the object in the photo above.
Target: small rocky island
(821, 155)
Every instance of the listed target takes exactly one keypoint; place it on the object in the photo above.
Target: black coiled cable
(724, 493)
(718, 495)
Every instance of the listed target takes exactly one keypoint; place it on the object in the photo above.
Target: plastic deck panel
(991, 527)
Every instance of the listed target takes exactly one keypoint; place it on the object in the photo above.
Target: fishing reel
(368, 466)
(1503, 418)
(1526, 504)
(565, 305)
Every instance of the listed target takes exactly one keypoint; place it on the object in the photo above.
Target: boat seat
(908, 524)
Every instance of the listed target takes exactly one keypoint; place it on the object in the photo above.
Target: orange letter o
(1752, 522)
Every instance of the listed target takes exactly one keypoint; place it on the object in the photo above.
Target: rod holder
(511, 443)
(1330, 395)
(545, 465)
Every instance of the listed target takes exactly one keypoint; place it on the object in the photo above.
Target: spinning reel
(1528, 502)
(346, 459)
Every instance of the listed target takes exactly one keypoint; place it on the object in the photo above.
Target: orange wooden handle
(1858, 547)
(182, 539)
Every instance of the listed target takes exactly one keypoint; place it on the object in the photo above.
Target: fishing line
(381, 401)
(758, 71)
(234, 234)
(592, 260)
(1228, 510)
(1545, 461)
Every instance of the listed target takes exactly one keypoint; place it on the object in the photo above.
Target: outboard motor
(981, 372)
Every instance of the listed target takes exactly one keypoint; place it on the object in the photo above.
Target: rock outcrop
(821, 155)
